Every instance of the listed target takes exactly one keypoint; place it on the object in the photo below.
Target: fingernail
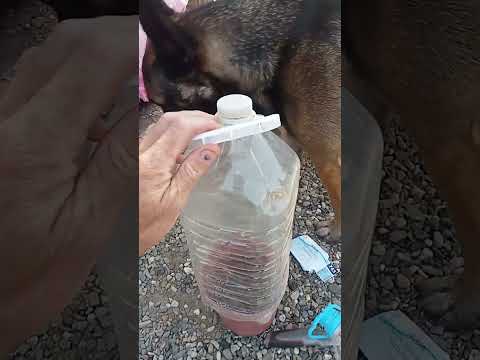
(208, 155)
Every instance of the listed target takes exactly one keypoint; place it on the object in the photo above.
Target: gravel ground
(414, 240)
(174, 324)
(84, 330)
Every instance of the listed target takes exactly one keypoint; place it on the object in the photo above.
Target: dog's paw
(334, 233)
(328, 231)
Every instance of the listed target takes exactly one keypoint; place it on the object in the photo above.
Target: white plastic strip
(259, 125)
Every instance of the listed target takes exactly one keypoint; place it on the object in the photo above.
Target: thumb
(191, 171)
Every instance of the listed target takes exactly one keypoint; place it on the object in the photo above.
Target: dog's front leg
(320, 137)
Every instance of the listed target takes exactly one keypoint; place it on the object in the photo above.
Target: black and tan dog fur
(285, 54)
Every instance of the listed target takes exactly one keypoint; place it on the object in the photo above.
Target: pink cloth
(142, 44)
(176, 5)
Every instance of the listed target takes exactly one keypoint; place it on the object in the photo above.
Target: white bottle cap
(258, 125)
(235, 106)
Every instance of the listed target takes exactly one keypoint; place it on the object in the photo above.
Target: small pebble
(387, 283)
(398, 235)
(427, 253)
(438, 240)
(403, 282)
(294, 295)
(379, 250)
(227, 354)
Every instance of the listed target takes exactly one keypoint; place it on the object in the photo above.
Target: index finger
(181, 128)
(155, 131)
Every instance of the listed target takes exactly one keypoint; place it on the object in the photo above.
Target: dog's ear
(174, 45)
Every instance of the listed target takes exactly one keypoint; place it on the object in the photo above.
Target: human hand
(60, 202)
(166, 177)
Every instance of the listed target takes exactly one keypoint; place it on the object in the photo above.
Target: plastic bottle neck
(228, 121)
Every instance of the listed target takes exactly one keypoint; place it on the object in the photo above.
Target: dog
(284, 54)
(422, 59)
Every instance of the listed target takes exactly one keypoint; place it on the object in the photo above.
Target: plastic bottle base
(246, 328)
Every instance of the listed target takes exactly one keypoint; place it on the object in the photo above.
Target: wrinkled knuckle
(169, 116)
(173, 119)
(145, 162)
(180, 123)
(202, 114)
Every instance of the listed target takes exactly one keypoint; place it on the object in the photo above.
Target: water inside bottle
(241, 273)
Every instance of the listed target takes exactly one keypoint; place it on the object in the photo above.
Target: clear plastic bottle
(238, 222)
